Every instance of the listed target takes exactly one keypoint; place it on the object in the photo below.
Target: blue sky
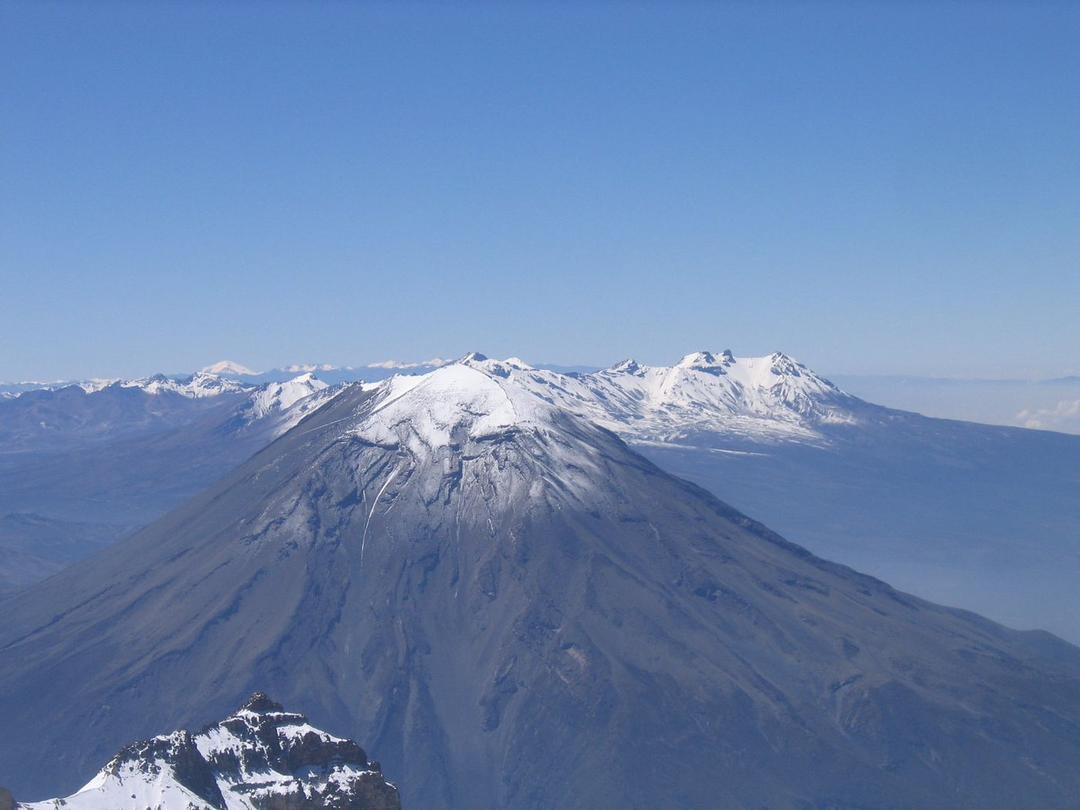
(889, 188)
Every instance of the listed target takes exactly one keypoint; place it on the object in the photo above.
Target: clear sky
(871, 187)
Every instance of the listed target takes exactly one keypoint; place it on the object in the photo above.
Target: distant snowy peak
(259, 758)
(434, 362)
(284, 403)
(499, 368)
(279, 406)
(718, 391)
(708, 361)
(279, 396)
(199, 385)
(307, 367)
(229, 368)
(92, 386)
(627, 366)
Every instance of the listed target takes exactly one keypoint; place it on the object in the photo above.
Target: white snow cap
(229, 367)
(704, 392)
(427, 411)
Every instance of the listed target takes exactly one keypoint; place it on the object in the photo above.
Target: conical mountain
(513, 609)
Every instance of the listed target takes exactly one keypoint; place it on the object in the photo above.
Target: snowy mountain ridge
(706, 391)
(259, 758)
(200, 385)
(532, 435)
(771, 397)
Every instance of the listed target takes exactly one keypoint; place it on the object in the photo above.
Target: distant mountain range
(232, 372)
(81, 467)
(472, 573)
(971, 515)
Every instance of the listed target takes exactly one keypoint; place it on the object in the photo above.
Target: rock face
(6, 801)
(515, 610)
(259, 758)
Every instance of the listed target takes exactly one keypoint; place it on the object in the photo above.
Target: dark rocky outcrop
(176, 751)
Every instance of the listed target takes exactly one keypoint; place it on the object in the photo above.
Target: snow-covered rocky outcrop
(260, 758)
(286, 403)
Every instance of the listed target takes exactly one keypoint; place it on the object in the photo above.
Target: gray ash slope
(513, 609)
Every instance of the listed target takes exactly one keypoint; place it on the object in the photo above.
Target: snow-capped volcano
(259, 758)
(515, 609)
(229, 368)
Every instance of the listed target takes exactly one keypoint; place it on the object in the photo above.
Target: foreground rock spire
(260, 757)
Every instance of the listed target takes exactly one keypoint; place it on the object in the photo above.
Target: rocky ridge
(259, 758)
